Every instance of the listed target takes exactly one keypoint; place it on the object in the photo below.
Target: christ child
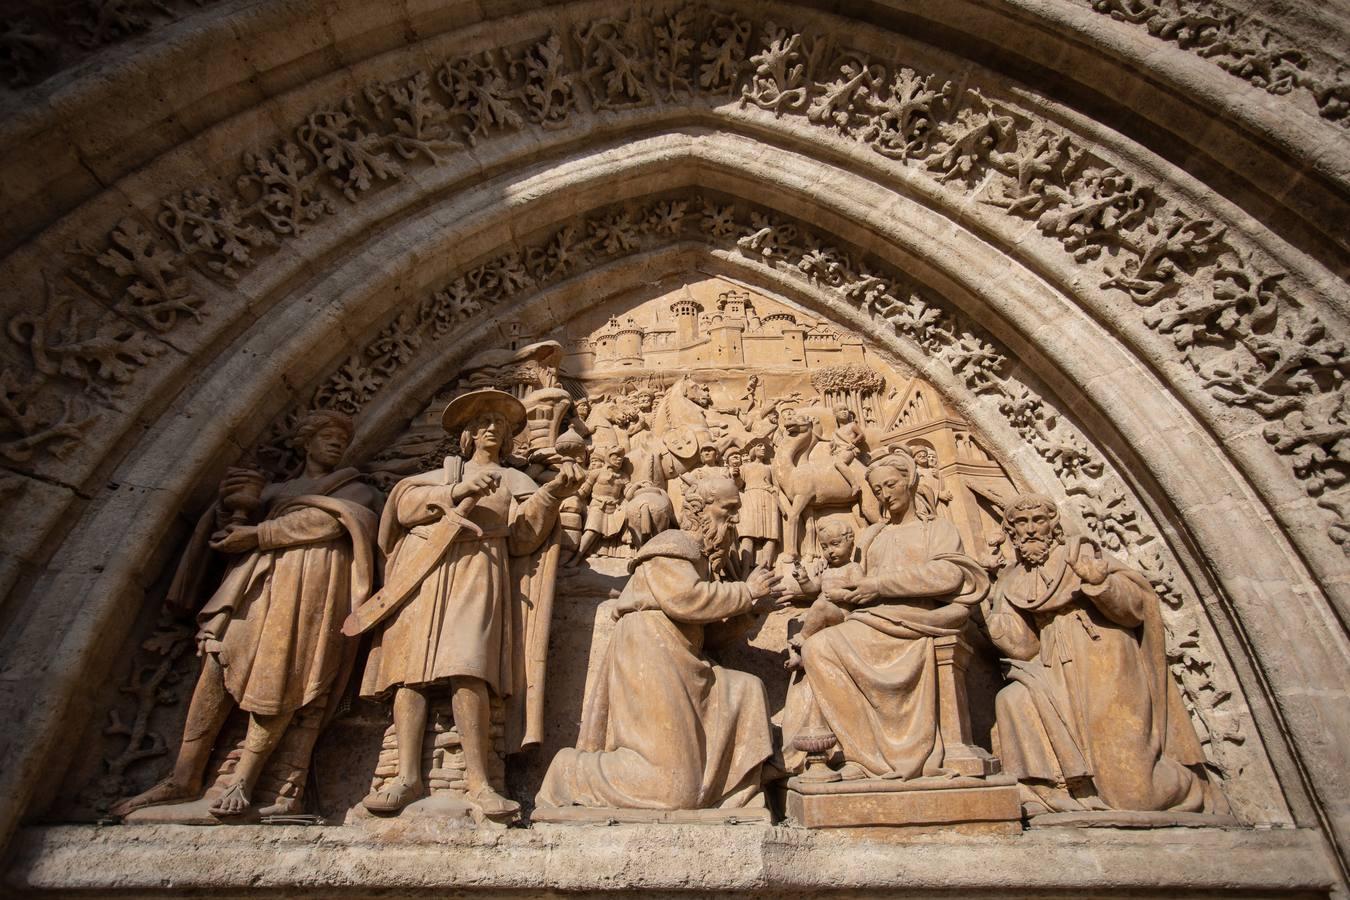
(833, 585)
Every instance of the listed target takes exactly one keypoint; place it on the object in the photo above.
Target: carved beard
(1034, 551)
(715, 538)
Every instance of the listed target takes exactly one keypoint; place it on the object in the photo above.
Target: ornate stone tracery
(1237, 327)
(1250, 342)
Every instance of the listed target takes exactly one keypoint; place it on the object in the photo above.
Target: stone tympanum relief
(675, 562)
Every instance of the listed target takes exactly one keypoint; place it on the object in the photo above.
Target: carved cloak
(662, 726)
(274, 622)
(874, 676)
(482, 606)
(1091, 695)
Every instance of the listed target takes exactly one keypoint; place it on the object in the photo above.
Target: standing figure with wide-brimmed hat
(454, 609)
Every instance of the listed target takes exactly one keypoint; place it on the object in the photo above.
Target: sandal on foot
(234, 792)
(391, 798)
(491, 803)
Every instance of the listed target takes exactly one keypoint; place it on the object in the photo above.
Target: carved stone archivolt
(699, 398)
(1228, 314)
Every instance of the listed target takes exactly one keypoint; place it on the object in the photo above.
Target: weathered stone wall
(1110, 233)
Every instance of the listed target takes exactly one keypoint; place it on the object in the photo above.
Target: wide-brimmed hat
(462, 410)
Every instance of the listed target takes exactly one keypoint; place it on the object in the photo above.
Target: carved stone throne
(976, 798)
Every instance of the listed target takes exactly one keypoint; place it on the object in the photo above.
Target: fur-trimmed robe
(663, 727)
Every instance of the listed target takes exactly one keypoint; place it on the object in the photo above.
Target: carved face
(614, 459)
(733, 458)
(1033, 531)
(707, 456)
(843, 416)
(836, 542)
(724, 504)
(582, 407)
(644, 400)
(699, 394)
(891, 484)
(327, 446)
(758, 452)
(488, 432)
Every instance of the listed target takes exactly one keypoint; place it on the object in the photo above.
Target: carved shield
(682, 442)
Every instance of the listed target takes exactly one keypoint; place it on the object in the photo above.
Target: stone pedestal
(978, 804)
(580, 815)
(962, 755)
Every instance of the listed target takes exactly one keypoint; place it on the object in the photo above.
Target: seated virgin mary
(872, 679)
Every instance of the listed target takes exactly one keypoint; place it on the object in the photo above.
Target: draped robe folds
(663, 727)
(275, 621)
(483, 609)
(1090, 694)
(873, 677)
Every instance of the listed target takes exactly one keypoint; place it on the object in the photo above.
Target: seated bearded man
(663, 727)
(872, 678)
(1092, 719)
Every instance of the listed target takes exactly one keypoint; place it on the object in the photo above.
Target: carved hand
(476, 486)
(863, 593)
(236, 539)
(764, 585)
(569, 480)
(1088, 567)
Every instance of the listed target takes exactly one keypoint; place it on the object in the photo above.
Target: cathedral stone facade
(781, 449)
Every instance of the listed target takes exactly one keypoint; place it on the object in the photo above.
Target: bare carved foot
(233, 802)
(166, 791)
(284, 806)
(391, 798)
(492, 803)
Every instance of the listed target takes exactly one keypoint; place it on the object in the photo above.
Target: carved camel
(807, 483)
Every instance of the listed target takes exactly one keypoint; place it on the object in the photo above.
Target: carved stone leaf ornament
(1242, 46)
(1249, 340)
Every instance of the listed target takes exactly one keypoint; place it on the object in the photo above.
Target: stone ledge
(391, 858)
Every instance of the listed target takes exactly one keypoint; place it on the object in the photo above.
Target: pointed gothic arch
(1055, 320)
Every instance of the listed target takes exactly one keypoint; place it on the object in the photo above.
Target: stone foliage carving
(155, 681)
(39, 38)
(1229, 315)
(1242, 45)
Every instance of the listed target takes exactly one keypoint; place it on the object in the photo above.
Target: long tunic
(873, 677)
(1090, 696)
(761, 517)
(460, 621)
(663, 727)
(275, 622)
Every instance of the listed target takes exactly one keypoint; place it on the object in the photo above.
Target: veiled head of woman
(893, 479)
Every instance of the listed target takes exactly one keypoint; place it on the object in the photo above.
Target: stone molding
(1238, 41)
(141, 288)
(669, 860)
